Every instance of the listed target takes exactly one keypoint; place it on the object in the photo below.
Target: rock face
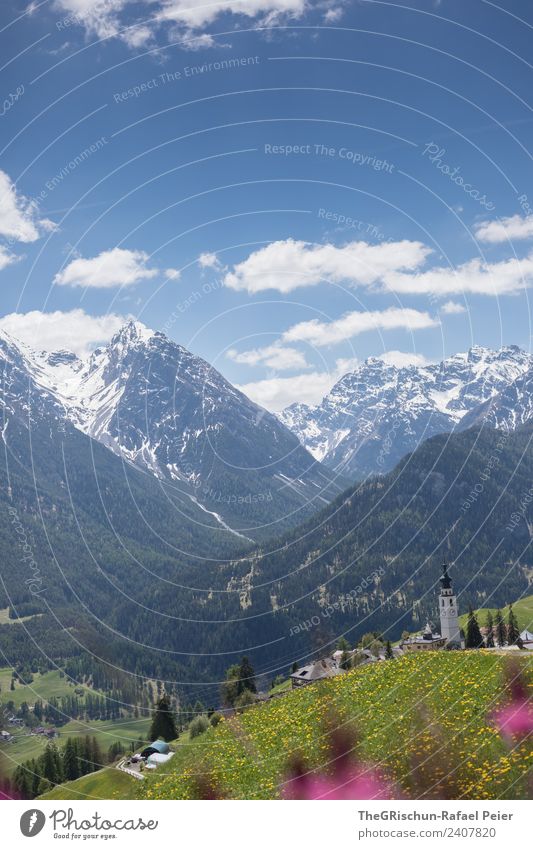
(378, 413)
(161, 408)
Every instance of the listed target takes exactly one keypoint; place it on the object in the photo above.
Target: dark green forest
(117, 595)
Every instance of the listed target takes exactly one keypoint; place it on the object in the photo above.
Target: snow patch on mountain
(379, 412)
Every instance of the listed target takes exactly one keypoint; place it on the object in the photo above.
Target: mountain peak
(381, 411)
(133, 332)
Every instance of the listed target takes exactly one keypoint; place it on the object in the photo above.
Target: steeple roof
(446, 581)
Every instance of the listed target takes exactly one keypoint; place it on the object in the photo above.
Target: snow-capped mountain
(509, 409)
(162, 408)
(378, 413)
(20, 394)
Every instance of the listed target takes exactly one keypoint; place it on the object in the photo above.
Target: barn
(158, 747)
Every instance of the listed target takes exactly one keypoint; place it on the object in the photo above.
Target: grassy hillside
(42, 687)
(105, 784)
(405, 712)
(523, 610)
(106, 732)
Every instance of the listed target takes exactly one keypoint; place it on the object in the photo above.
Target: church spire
(446, 581)
(449, 619)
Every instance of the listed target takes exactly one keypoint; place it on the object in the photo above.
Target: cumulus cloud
(99, 17)
(196, 14)
(116, 267)
(278, 392)
(52, 331)
(506, 229)
(289, 264)
(333, 14)
(346, 364)
(172, 273)
(276, 356)
(209, 260)
(6, 257)
(19, 217)
(452, 308)
(403, 359)
(187, 19)
(475, 277)
(321, 333)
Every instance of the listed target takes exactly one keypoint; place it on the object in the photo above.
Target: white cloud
(209, 260)
(321, 333)
(185, 19)
(52, 331)
(99, 17)
(6, 257)
(172, 273)
(19, 218)
(278, 392)
(116, 267)
(138, 36)
(506, 229)
(333, 15)
(274, 356)
(476, 277)
(346, 364)
(403, 359)
(452, 308)
(196, 14)
(289, 264)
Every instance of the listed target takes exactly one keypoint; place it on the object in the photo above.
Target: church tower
(449, 622)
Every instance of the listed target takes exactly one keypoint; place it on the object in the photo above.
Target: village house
(424, 641)
(44, 732)
(316, 671)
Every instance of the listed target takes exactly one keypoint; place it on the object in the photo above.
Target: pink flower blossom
(516, 719)
(354, 783)
(346, 777)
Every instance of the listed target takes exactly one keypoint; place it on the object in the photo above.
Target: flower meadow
(439, 725)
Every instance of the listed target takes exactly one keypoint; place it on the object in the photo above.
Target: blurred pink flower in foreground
(516, 718)
(347, 779)
(352, 784)
(7, 794)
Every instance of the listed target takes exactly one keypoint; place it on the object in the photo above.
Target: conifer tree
(50, 765)
(513, 633)
(345, 660)
(96, 755)
(22, 782)
(164, 722)
(489, 639)
(86, 756)
(501, 631)
(71, 767)
(247, 676)
(343, 644)
(473, 640)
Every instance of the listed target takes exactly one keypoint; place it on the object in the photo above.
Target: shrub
(198, 726)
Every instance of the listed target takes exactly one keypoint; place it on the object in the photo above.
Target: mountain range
(108, 530)
(168, 412)
(378, 413)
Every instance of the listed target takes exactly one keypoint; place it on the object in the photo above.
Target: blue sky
(285, 187)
